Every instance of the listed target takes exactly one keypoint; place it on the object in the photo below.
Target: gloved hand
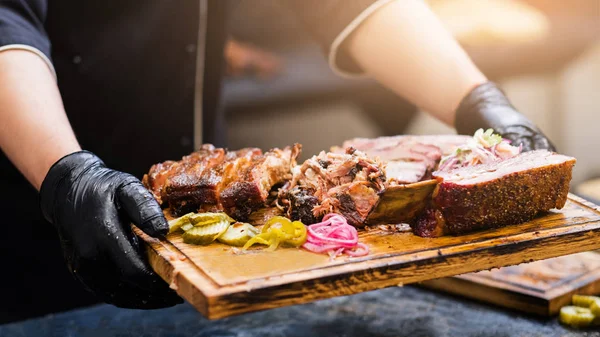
(486, 106)
(92, 207)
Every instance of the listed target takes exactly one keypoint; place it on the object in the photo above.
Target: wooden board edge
(218, 302)
(359, 264)
(564, 297)
(180, 274)
(475, 278)
(304, 291)
(178, 281)
(582, 202)
(496, 296)
(553, 293)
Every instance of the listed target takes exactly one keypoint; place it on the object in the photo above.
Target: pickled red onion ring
(334, 236)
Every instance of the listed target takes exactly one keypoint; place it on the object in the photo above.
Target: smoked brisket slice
(496, 194)
(446, 143)
(408, 159)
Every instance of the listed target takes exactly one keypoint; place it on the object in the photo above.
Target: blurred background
(544, 53)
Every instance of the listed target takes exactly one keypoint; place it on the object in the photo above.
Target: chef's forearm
(405, 47)
(35, 131)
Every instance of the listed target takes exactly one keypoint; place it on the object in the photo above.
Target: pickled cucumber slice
(176, 224)
(205, 234)
(595, 307)
(238, 234)
(189, 220)
(585, 301)
(202, 219)
(576, 316)
(187, 227)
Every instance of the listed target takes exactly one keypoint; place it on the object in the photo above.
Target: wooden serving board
(540, 287)
(221, 283)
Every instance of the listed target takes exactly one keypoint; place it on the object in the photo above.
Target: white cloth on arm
(343, 35)
(33, 50)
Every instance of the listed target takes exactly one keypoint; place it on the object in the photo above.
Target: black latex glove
(92, 208)
(486, 106)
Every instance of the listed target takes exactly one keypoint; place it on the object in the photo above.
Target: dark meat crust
(199, 187)
(430, 224)
(249, 191)
(302, 203)
(212, 179)
(174, 179)
(461, 206)
(156, 177)
(514, 199)
(356, 201)
(241, 198)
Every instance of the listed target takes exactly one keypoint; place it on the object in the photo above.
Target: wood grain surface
(540, 287)
(221, 281)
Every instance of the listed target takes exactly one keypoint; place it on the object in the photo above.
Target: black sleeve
(22, 22)
(326, 19)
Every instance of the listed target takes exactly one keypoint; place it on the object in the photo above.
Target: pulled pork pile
(345, 183)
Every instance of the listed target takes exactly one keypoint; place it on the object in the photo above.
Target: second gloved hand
(92, 208)
(486, 106)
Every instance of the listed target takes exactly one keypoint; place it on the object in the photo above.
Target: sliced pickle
(595, 308)
(576, 317)
(176, 224)
(238, 234)
(187, 221)
(585, 301)
(202, 219)
(205, 234)
(187, 227)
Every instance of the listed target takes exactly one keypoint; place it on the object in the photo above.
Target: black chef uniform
(132, 74)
